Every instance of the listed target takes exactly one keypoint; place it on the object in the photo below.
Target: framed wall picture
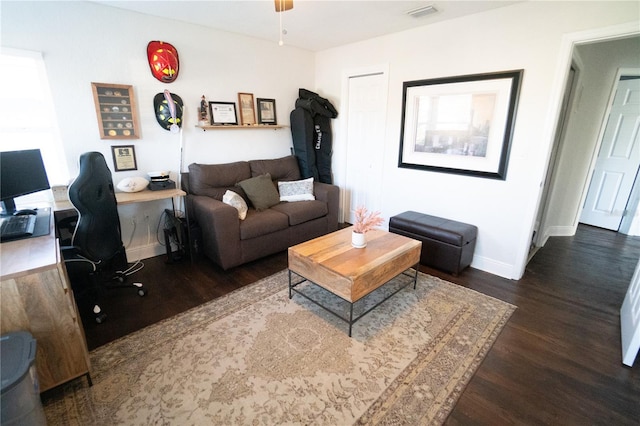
(266, 111)
(247, 111)
(461, 124)
(116, 111)
(223, 113)
(124, 158)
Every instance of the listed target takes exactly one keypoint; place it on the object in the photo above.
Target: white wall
(523, 36)
(86, 42)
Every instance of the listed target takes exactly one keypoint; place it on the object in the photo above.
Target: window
(27, 116)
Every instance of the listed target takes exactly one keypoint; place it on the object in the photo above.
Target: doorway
(569, 177)
(367, 111)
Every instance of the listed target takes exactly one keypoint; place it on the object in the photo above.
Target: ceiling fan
(282, 5)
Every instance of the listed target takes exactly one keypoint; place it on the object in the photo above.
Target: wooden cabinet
(35, 296)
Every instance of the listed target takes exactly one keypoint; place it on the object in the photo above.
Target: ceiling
(312, 24)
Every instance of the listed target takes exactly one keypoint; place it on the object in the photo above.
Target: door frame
(569, 96)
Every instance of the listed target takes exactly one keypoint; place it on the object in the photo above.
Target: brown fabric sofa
(229, 241)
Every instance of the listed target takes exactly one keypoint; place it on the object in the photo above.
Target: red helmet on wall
(163, 61)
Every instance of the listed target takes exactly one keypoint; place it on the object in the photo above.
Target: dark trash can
(20, 395)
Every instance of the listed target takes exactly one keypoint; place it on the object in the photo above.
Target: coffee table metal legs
(350, 320)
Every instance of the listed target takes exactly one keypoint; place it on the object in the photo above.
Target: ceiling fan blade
(282, 5)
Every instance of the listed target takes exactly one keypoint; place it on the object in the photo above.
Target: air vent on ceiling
(422, 11)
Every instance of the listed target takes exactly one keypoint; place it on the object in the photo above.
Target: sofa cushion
(213, 180)
(302, 211)
(259, 223)
(296, 190)
(285, 168)
(234, 200)
(261, 191)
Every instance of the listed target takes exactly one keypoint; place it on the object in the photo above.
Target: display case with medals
(116, 111)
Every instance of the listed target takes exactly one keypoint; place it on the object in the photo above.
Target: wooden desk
(133, 197)
(35, 296)
(148, 195)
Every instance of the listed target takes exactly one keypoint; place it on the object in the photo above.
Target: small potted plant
(365, 221)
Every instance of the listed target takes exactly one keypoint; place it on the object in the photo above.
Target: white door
(630, 320)
(618, 160)
(367, 111)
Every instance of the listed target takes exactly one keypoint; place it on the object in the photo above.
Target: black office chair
(96, 258)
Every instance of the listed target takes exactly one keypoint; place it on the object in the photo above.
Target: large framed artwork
(461, 124)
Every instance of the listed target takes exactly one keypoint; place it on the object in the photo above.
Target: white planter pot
(358, 240)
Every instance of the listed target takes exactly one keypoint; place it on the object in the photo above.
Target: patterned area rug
(256, 357)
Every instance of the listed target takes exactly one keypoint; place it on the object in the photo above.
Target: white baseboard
(556, 231)
(145, 252)
(494, 267)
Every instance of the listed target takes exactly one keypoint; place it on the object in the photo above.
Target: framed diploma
(223, 113)
(124, 158)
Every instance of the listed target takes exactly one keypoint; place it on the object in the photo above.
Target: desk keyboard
(17, 226)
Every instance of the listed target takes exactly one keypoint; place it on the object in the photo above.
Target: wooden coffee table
(351, 273)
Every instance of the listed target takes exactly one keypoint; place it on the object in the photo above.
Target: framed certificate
(124, 158)
(223, 113)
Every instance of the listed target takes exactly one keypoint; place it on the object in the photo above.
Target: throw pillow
(261, 191)
(298, 190)
(235, 200)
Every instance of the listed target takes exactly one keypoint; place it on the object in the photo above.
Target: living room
(84, 42)
(220, 64)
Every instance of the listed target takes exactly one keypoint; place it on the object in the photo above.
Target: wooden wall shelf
(237, 127)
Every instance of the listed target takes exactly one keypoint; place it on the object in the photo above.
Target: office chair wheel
(141, 289)
(100, 318)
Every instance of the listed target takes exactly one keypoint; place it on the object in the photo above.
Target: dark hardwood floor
(557, 361)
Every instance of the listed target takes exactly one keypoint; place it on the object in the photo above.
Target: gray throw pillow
(297, 190)
(261, 191)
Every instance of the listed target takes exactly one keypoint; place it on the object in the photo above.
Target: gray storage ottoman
(446, 244)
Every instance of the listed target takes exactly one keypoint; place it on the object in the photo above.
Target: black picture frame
(223, 113)
(460, 125)
(124, 158)
(267, 111)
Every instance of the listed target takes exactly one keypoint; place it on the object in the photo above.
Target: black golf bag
(311, 132)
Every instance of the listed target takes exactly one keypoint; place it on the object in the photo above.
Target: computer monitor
(21, 173)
